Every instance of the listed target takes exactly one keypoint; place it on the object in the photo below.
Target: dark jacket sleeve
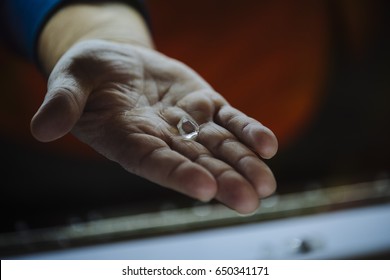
(22, 20)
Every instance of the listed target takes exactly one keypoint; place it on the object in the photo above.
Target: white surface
(335, 235)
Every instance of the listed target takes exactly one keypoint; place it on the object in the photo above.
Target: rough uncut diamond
(188, 128)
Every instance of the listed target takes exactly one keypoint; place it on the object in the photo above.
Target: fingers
(229, 150)
(152, 158)
(204, 105)
(63, 105)
(234, 190)
(249, 131)
(224, 146)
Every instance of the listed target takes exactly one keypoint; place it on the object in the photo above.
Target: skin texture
(125, 99)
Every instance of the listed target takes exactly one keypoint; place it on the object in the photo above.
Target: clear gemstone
(188, 128)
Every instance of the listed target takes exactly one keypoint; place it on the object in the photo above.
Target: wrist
(80, 22)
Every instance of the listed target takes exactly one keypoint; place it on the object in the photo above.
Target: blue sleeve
(22, 20)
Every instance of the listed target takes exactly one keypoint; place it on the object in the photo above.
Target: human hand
(125, 102)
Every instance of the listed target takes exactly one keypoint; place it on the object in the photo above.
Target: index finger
(251, 132)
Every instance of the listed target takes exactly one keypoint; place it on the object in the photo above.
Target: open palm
(126, 101)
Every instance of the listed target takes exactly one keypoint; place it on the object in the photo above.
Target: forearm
(77, 22)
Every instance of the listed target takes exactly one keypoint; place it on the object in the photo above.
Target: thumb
(62, 108)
